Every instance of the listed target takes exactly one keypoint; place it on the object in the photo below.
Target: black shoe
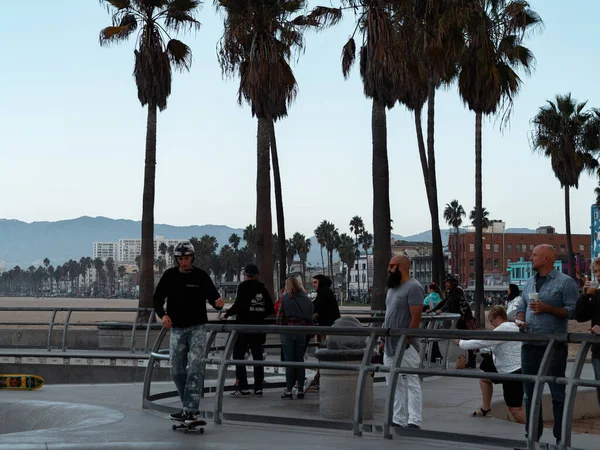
(397, 425)
(258, 392)
(190, 417)
(287, 396)
(300, 395)
(180, 416)
(240, 394)
(413, 426)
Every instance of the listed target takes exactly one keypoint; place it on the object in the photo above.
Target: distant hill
(26, 244)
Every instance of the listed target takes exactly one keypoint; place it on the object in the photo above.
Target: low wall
(38, 338)
(586, 405)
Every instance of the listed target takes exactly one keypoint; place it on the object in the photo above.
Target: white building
(105, 250)
(126, 250)
(359, 275)
(129, 249)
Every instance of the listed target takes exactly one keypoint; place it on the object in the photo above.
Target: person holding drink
(588, 308)
(548, 303)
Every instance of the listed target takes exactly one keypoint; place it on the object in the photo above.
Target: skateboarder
(186, 289)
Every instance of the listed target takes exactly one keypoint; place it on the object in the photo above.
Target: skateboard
(21, 381)
(197, 425)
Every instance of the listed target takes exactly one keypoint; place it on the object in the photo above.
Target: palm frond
(323, 17)
(348, 57)
(121, 32)
(179, 54)
(117, 4)
(181, 14)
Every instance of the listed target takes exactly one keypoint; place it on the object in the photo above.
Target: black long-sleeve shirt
(252, 303)
(326, 307)
(589, 309)
(186, 294)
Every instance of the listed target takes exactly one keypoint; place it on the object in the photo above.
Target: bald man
(404, 304)
(557, 296)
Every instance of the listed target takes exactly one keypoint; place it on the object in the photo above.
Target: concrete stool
(338, 387)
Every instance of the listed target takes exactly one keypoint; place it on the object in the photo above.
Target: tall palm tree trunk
(322, 260)
(381, 205)
(278, 208)
(331, 264)
(264, 240)
(568, 228)
(147, 259)
(438, 268)
(457, 267)
(479, 292)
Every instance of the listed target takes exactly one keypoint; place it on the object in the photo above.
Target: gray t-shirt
(397, 309)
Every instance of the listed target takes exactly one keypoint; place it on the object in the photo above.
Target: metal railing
(67, 322)
(572, 381)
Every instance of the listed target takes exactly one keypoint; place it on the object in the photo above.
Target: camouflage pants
(187, 347)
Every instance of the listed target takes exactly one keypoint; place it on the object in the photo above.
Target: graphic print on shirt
(257, 304)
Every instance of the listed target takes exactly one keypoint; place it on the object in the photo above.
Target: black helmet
(184, 249)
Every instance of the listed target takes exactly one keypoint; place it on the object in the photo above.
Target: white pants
(408, 403)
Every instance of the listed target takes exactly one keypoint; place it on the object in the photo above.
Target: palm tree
(234, 240)
(259, 39)
(154, 57)
(99, 266)
(453, 215)
(559, 133)
(357, 226)
(281, 250)
(381, 63)
(488, 82)
(110, 274)
(290, 252)
(432, 37)
(320, 236)
(121, 271)
(162, 259)
(249, 236)
(171, 252)
(347, 250)
(302, 246)
(366, 240)
(485, 218)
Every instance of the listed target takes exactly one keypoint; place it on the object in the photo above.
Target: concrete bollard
(337, 390)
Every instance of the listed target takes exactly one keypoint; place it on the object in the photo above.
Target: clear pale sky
(73, 131)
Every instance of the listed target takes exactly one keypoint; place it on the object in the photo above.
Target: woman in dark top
(296, 309)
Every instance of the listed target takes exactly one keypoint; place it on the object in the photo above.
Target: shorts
(513, 392)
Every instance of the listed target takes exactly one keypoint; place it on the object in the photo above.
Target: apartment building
(500, 249)
(125, 251)
(105, 250)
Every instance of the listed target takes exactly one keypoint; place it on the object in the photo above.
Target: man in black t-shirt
(186, 289)
(252, 305)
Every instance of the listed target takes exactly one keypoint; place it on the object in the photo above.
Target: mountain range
(27, 244)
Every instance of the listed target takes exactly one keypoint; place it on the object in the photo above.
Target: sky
(73, 131)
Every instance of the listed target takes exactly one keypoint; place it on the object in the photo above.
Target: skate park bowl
(20, 416)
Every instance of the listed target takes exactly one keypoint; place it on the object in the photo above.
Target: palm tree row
(407, 50)
(72, 276)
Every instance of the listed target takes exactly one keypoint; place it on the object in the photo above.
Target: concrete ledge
(586, 405)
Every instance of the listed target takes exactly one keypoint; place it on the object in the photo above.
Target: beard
(394, 279)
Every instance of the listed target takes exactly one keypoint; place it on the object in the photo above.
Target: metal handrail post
(233, 336)
(64, 339)
(388, 417)
(453, 324)
(571, 394)
(209, 342)
(360, 385)
(50, 328)
(147, 338)
(536, 400)
(137, 314)
(150, 367)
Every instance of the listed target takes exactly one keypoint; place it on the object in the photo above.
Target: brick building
(500, 249)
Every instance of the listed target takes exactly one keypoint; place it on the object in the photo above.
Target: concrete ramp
(19, 416)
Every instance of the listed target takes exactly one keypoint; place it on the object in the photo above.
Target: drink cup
(534, 297)
(593, 284)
